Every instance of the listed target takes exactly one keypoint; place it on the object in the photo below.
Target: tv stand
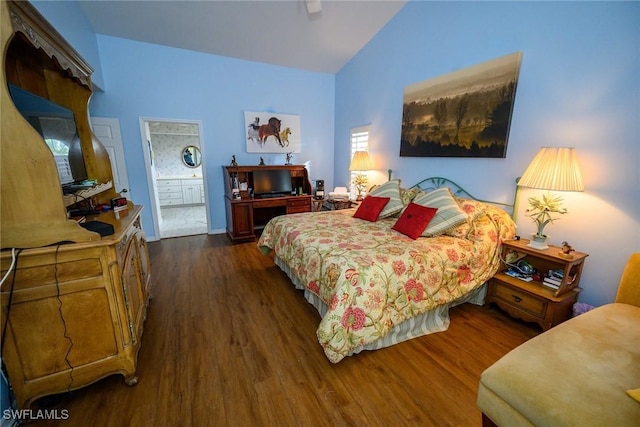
(247, 215)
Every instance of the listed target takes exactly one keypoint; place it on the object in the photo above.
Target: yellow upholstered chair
(583, 372)
(629, 287)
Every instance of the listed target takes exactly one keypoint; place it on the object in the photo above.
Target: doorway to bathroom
(174, 161)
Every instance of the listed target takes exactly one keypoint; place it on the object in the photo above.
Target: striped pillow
(390, 189)
(449, 214)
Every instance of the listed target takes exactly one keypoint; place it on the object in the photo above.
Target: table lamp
(553, 169)
(360, 163)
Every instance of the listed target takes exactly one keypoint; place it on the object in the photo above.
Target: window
(359, 142)
(57, 147)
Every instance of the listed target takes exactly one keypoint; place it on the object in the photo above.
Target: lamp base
(538, 242)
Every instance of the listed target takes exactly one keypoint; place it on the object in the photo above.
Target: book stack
(553, 279)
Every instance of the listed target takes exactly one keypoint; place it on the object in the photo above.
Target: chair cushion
(576, 373)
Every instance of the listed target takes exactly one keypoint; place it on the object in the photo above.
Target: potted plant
(541, 211)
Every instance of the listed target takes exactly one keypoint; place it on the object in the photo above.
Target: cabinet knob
(516, 298)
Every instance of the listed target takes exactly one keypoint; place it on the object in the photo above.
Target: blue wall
(145, 80)
(70, 21)
(578, 86)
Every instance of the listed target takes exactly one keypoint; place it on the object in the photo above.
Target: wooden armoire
(73, 302)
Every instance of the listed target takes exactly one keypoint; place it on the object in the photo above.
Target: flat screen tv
(272, 182)
(57, 126)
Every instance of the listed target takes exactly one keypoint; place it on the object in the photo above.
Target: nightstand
(531, 300)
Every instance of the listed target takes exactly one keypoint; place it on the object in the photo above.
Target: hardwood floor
(229, 342)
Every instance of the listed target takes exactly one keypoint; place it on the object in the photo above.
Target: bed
(374, 286)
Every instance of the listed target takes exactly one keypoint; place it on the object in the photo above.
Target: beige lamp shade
(553, 169)
(360, 161)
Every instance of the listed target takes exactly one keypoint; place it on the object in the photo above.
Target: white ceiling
(279, 32)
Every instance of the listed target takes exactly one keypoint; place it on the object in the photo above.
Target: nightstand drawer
(522, 300)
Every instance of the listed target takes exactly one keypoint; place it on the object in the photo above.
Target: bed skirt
(436, 320)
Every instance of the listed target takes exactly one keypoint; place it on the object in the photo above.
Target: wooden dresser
(76, 311)
(73, 306)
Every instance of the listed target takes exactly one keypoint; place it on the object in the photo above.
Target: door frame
(151, 188)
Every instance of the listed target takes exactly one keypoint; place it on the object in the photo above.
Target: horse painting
(270, 129)
(252, 132)
(271, 132)
(284, 137)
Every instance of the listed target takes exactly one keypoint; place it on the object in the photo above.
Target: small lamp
(553, 169)
(360, 163)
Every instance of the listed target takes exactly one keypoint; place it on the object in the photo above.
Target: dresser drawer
(171, 202)
(172, 195)
(169, 189)
(520, 299)
(168, 182)
(173, 198)
(298, 202)
(298, 209)
(298, 205)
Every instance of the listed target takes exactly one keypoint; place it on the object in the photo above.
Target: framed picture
(272, 132)
(466, 113)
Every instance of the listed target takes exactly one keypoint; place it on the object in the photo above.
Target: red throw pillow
(414, 220)
(371, 207)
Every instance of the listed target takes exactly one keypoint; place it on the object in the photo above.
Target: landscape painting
(272, 132)
(466, 113)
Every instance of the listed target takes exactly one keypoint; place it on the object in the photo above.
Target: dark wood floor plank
(228, 341)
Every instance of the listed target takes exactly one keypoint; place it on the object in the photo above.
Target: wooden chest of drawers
(76, 311)
(530, 300)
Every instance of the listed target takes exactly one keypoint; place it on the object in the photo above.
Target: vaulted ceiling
(279, 32)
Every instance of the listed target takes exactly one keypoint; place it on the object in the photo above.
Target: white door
(108, 132)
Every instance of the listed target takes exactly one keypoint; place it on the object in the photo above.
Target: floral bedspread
(372, 277)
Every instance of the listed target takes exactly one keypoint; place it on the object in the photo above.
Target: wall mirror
(191, 156)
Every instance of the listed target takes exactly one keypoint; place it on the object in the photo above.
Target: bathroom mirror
(191, 156)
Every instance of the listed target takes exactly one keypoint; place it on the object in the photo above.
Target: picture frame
(272, 132)
(466, 113)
